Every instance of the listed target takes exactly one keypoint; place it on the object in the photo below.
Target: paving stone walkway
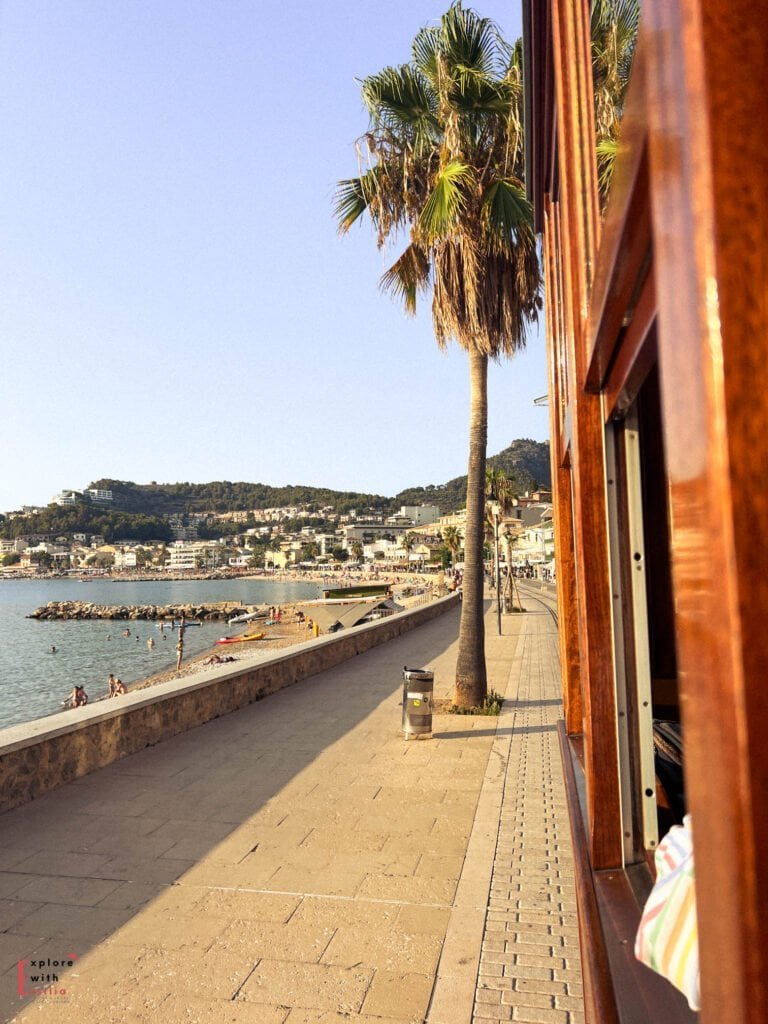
(297, 862)
(529, 967)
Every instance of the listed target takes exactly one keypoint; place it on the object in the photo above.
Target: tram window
(667, 731)
(661, 625)
(653, 745)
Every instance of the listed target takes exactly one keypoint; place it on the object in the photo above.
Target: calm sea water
(34, 681)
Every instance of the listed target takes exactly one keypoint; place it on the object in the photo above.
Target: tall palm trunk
(471, 680)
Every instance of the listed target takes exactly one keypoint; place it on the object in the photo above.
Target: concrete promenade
(297, 861)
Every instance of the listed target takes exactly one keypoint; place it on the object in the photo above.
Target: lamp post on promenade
(495, 510)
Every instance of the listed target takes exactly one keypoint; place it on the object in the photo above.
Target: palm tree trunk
(471, 680)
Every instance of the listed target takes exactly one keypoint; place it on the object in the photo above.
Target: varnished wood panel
(625, 243)
(578, 191)
(635, 356)
(565, 558)
(709, 179)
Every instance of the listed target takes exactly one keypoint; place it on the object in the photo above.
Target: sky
(175, 301)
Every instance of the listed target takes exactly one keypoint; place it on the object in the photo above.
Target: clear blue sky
(176, 304)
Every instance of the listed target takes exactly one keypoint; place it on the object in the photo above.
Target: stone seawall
(41, 755)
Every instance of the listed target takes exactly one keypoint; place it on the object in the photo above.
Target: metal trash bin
(418, 686)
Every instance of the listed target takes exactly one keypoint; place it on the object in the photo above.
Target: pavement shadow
(84, 861)
(503, 731)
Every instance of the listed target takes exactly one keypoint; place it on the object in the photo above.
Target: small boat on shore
(246, 617)
(241, 639)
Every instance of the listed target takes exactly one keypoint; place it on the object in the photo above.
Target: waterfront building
(125, 559)
(186, 556)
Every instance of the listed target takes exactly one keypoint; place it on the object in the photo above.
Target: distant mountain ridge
(525, 462)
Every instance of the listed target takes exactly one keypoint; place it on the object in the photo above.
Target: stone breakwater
(83, 610)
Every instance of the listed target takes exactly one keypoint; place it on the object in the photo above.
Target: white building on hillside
(420, 515)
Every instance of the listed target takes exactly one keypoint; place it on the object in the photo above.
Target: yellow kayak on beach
(241, 639)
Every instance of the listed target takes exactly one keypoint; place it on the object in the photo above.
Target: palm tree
(614, 35)
(408, 542)
(452, 540)
(357, 550)
(445, 165)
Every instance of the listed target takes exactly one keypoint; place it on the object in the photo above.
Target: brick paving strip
(528, 966)
(297, 862)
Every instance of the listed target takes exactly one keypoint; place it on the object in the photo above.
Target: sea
(34, 680)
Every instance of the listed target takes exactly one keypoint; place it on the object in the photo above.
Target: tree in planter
(445, 145)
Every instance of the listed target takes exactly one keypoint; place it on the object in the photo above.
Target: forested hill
(224, 496)
(525, 462)
(139, 511)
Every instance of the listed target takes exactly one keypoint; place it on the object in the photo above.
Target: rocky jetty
(85, 610)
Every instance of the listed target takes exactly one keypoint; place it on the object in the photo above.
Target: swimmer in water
(53, 650)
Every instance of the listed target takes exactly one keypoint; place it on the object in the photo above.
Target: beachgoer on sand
(119, 687)
(112, 683)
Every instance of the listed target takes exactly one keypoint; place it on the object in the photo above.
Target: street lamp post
(495, 510)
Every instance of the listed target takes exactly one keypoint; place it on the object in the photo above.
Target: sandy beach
(408, 589)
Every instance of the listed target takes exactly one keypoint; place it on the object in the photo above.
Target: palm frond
(400, 98)
(470, 41)
(351, 202)
(424, 51)
(606, 160)
(409, 275)
(446, 201)
(506, 212)
(477, 94)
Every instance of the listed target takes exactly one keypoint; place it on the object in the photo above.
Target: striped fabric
(667, 939)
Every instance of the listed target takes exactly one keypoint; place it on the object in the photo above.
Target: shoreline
(302, 576)
(293, 632)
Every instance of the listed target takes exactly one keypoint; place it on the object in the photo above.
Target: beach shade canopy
(331, 617)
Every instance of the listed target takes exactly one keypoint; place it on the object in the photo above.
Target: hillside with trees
(525, 464)
(140, 511)
(110, 524)
(225, 496)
